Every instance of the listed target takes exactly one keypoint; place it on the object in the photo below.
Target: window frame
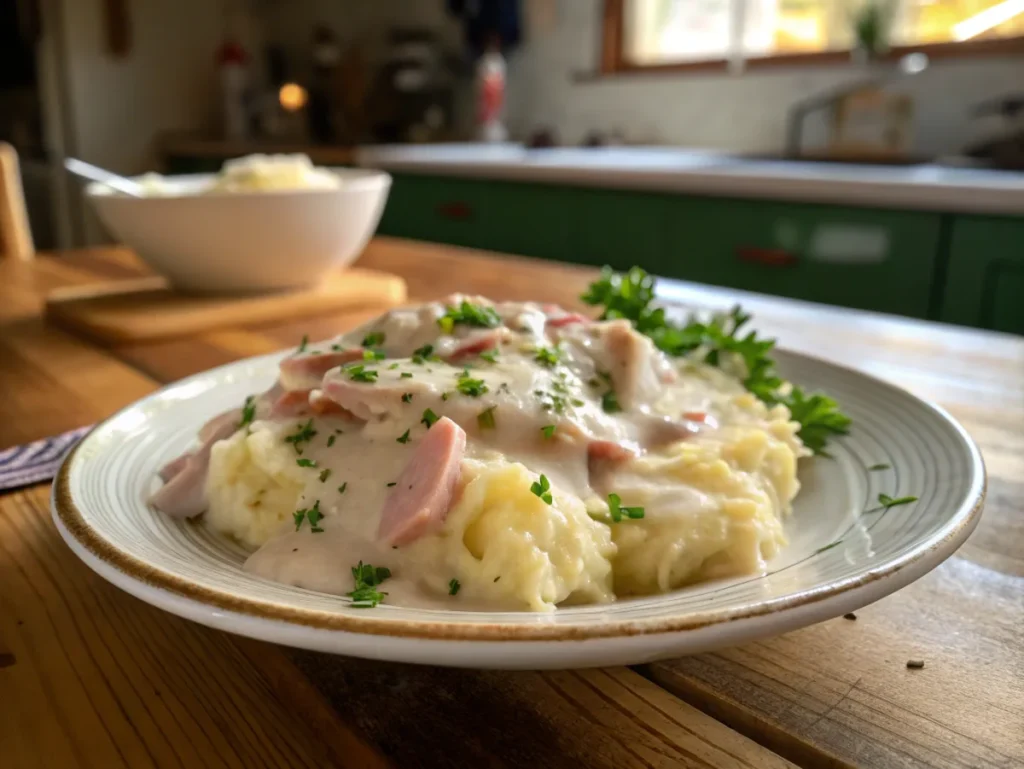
(613, 59)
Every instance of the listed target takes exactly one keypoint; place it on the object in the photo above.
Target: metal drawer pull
(455, 210)
(770, 257)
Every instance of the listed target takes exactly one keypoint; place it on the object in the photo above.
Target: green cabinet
(867, 258)
(985, 275)
(619, 228)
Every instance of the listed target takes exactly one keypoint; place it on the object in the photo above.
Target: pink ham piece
(424, 491)
(303, 371)
(567, 319)
(478, 343)
(183, 494)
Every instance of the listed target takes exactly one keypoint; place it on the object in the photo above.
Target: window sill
(979, 48)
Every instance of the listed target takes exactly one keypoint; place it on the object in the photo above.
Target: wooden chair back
(15, 235)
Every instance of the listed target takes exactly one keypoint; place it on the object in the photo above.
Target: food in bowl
(510, 456)
(253, 173)
(263, 224)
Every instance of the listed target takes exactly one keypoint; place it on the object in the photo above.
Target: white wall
(735, 112)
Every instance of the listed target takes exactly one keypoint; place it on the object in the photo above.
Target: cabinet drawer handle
(770, 257)
(455, 210)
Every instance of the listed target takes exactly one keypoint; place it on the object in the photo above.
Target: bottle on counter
(490, 94)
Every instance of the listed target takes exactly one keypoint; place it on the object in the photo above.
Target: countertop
(699, 172)
(91, 677)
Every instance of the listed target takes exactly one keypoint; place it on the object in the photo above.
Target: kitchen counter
(699, 172)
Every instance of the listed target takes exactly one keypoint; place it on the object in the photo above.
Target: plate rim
(74, 525)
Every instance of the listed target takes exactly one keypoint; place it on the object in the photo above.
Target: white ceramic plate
(99, 508)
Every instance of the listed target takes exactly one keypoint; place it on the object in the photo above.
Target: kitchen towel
(38, 461)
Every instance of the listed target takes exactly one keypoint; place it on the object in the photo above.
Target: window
(679, 33)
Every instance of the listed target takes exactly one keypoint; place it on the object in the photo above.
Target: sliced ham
(476, 343)
(183, 494)
(567, 319)
(423, 492)
(303, 371)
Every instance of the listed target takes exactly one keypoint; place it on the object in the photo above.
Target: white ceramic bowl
(249, 241)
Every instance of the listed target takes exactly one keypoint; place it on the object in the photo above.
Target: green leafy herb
(548, 431)
(342, 487)
(304, 344)
(542, 488)
(429, 417)
(422, 354)
(303, 434)
(406, 375)
(453, 587)
(629, 296)
(374, 338)
(469, 386)
(303, 462)
(367, 578)
(491, 356)
(325, 474)
(885, 502)
(393, 483)
(403, 438)
(446, 395)
(469, 315)
(248, 411)
(393, 366)
(361, 374)
(879, 467)
(406, 397)
(374, 355)
(485, 419)
(337, 347)
(330, 440)
(311, 514)
(547, 356)
(610, 402)
(618, 511)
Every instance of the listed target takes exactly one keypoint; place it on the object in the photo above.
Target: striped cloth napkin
(38, 461)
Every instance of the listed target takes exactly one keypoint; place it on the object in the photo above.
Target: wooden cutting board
(142, 309)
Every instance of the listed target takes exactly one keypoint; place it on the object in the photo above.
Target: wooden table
(90, 676)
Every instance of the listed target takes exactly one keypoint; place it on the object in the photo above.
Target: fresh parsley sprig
(628, 296)
(367, 578)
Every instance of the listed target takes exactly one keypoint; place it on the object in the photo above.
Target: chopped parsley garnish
(446, 395)
(491, 356)
(542, 488)
(485, 419)
(330, 440)
(422, 354)
(374, 355)
(303, 462)
(453, 587)
(406, 397)
(392, 367)
(248, 411)
(406, 375)
(469, 315)
(367, 578)
(361, 374)
(885, 502)
(469, 386)
(610, 402)
(548, 431)
(304, 344)
(629, 296)
(547, 356)
(618, 511)
(337, 347)
(374, 338)
(342, 487)
(393, 483)
(429, 417)
(311, 514)
(303, 434)
(878, 467)
(325, 474)
(403, 438)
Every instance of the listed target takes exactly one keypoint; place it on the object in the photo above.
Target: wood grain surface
(835, 694)
(91, 677)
